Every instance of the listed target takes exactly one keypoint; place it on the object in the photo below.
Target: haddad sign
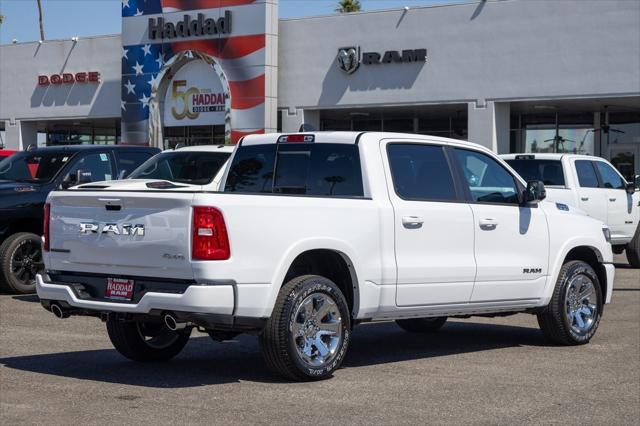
(349, 58)
(189, 27)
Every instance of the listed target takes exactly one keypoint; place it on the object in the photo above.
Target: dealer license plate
(119, 288)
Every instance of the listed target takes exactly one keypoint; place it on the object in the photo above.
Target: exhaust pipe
(57, 310)
(173, 324)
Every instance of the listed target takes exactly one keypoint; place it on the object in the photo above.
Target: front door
(433, 227)
(511, 240)
(626, 158)
(591, 198)
(620, 204)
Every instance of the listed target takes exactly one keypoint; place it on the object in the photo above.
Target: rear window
(304, 169)
(548, 171)
(188, 167)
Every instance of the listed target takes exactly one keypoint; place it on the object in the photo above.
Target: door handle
(584, 198)
(612, 199)
(412, 221)
(488, 224)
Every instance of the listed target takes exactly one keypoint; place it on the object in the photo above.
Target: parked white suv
(315, 233)
(593, 185)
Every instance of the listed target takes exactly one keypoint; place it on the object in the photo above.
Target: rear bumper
(196, 299)
(610, 270)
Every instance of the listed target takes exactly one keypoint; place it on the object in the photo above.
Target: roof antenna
(306, 127)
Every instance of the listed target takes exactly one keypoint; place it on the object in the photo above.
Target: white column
(489, 123)
(20, 135)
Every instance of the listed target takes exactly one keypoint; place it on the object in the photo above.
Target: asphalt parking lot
(497, 371)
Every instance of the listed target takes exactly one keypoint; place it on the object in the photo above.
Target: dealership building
(513, 75)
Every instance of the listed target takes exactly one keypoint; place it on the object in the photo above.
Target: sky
(64, 19)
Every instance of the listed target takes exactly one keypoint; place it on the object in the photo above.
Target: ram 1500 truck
(315, 233)
(593, 185)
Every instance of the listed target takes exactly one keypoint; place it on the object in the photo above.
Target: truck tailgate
(122, 233)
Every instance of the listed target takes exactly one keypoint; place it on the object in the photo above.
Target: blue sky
(68, 18)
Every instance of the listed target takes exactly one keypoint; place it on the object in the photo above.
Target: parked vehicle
(26, 179)
(197, 167)
(315, 233)
(4, 153)
(593, 185)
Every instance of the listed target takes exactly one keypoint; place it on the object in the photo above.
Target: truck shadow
(204, 362)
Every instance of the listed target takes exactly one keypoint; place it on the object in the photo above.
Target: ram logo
(532, 270)
(112, 228)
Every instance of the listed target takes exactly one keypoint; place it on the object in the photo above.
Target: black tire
(127, 338)
(20, 261)
(554, 321)
(618, 249)
(633, 250)
(280, 348)
(422, 325)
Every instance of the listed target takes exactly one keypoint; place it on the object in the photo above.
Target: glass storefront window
(572, 140)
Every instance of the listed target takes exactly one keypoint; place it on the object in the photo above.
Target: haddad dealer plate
(119, 289)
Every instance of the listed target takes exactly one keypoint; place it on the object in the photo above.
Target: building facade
(513, 75)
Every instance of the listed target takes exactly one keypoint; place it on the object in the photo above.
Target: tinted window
(421, 172)
(548, 171)
(33, 166)
(488, 181)
(129, 161)
(252, 169)
(194, 168)
(311, 169)
(586, 174)
(98, 164)
(610, 178)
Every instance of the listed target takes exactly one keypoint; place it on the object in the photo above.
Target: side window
(487, 180)
(610, 178)
(587, 177)
(252, 169)
(129, 161)
(98, 164)
(420, 172)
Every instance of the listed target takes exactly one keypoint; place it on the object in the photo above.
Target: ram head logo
(348, 59)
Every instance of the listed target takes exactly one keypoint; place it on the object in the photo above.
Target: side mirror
(78, 178)
(535, 192)
(631, 187)
(83, 176)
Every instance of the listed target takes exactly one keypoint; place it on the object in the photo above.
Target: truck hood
(137, 185)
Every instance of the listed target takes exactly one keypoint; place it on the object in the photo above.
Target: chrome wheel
(581, 304)
(156, 336)
(316, 329)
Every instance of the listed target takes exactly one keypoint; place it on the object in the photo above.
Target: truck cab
(592, 185)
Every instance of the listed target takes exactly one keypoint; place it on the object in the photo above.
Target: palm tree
(347, 6)
(40, 16)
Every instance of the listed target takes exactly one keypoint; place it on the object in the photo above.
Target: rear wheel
(422, 325)
(20, 261)
(146, 341)
(633, 250)
(573, 314)
(308, 333)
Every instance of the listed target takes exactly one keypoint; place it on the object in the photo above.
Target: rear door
(511, 240)
(591, 198)
(128, 233)
(433, 226)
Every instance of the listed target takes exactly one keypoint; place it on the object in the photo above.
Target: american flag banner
(159, 36)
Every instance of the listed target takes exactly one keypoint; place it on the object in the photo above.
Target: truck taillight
(45, 227)
(210, 240)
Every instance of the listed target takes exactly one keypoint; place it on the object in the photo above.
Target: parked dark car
(27, 177)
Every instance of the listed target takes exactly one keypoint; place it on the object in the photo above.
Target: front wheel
(308, 333)
(20, 261)
(573, 314)
(633, 250)
(146, 341)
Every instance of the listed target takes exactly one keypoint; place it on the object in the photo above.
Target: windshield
(33, 167)
(548, 171)
(189, 167)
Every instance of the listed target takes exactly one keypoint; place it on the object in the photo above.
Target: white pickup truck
(314, 233)
(593, 185)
